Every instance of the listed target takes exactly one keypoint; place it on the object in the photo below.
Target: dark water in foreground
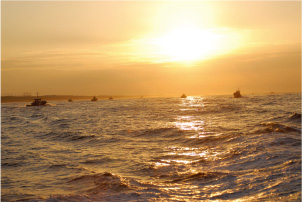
(154, 149)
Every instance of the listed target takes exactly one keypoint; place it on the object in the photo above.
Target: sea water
(153, 149)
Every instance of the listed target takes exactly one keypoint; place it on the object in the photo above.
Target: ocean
(215, 148)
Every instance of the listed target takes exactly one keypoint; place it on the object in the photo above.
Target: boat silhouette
(237, 94)
(183, 96)
(37, 102)
(94, 98)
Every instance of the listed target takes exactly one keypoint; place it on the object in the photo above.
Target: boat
(237, 94)
(183, 96)
(94, 98)
(111, 98)
(37, 102)
(70, 100)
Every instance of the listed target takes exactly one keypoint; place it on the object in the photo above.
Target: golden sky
(150, 47)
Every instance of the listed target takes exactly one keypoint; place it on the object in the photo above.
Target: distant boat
(111, 98)
(183, 96)
(70, 100)
(94, 99)
(37, 102)
(237, 94)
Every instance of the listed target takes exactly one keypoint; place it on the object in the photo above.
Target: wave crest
(271, 127)
(295, 116)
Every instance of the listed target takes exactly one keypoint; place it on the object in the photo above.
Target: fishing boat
(70, 100)
(37, 102)
(94, 98)
(237, 94)
(111, 98)
(183, 96)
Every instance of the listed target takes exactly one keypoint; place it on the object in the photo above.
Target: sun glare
(192, 44)
(188, 44)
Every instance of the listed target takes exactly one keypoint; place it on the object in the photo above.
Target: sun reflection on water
(183, 162)
(194, 125)
(192, 101)
(190, 122)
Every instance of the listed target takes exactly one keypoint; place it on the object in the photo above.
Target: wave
(295, 116)
(57, 166)
(171, 132)
(209, 139)
(67, 136)
(287, 141)
(60, 123)
(12, 164)
(201, 177)
(271, 127)
(104, 160)
(219, 108)
(99, 182)
(110, 187)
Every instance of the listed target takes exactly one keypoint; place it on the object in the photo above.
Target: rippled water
(154, 149)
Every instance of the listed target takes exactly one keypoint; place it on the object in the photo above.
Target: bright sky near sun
(150, 47)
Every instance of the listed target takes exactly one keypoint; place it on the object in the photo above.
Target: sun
(184, 44)
(189, 43)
